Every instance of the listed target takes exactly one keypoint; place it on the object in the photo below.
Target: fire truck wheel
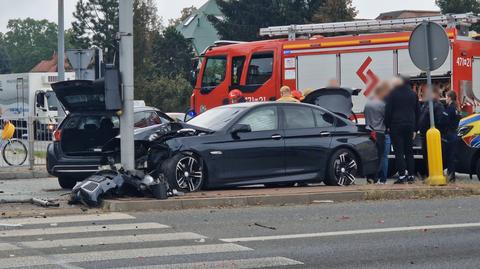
(66, 182)
(342, 168)
(185, 173)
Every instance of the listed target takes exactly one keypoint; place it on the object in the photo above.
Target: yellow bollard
(435, 163)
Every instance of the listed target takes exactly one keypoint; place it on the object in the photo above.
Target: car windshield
(52, 101)
(217, 118)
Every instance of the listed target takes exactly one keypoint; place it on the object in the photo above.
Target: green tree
(335, 11)
(173, 54)
(244, 18)
(29, 41)
(146, 26)
(460, 6)
(96, 24)
(168, 94)
(4, 61)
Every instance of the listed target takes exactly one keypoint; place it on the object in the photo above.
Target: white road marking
(7, 246)
(227, 264)
(82, 229)
(69, 219)
(352, 232)
(110, 240)
(118, 254)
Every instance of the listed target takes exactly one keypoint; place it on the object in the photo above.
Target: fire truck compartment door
(314, 71)
(407, 68)
(365, 70)
(475, 79)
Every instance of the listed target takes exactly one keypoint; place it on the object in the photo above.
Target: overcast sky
(47, 9)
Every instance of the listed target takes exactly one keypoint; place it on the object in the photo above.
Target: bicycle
(14, 151)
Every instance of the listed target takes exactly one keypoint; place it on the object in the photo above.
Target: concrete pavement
(200, 238)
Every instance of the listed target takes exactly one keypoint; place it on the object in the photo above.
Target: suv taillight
(57, 135)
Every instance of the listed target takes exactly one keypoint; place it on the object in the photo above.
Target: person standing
(375, 120)
(401, 116)
(286, 95)
(453, 118)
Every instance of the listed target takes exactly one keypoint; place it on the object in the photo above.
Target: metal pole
(429, 76)
(61, 48)
(31, 142)
(126, 69)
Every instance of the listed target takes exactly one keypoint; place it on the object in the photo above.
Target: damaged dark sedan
(276, 144)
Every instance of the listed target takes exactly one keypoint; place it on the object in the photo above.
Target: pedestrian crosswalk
(119, 241)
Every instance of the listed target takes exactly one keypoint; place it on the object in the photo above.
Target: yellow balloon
(8, 131)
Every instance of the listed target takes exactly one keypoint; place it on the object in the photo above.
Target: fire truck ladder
(450, 20)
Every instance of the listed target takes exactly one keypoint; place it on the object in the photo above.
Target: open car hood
(337, 100)
(81, 95)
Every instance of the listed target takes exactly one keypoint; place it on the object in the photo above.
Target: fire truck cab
(260, 68)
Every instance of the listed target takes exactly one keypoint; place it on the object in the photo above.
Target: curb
(125, 205)
(24, 175)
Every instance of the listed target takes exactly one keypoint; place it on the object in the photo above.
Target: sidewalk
(291, 196)
(7, 173)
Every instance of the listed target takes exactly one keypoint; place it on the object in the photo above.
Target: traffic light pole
(61, 48)
(126, 70)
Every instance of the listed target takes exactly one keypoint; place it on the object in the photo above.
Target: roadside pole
(61, 49)
(126, 70)
(429, 47)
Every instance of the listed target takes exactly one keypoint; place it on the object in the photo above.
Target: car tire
(185, 173)
(67, 182)
(342, 169)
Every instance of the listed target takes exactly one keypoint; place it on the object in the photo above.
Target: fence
(28, 146)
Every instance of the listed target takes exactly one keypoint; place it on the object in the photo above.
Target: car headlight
(464, 130)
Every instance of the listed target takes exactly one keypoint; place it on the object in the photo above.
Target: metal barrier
(27, 150)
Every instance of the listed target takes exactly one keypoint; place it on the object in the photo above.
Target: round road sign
(429, 46)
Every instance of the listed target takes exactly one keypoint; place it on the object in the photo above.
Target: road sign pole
(434, 140)
(126, 69)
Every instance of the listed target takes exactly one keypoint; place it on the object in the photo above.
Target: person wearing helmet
(236, 96)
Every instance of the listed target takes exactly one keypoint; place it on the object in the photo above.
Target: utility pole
(126, 69)
(61, 48)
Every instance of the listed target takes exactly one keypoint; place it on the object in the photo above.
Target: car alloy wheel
(189, 174)
(346, 168)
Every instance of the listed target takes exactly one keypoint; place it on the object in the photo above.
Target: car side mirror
(241, 128)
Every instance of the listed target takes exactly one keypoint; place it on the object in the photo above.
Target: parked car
(77, 148)
(468, 152)
(269, 143)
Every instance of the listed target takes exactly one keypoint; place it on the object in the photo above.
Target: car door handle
(325, 134)
(276, 137)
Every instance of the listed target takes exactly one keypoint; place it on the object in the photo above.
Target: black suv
(76, 152)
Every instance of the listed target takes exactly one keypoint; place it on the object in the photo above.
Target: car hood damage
(113, 181)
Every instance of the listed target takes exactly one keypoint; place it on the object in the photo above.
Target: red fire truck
(305, 61)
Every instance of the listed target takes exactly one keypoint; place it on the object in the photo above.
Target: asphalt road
(387, 234)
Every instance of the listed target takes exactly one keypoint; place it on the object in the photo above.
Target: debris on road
(264, 226)
(118, 182)
(33, 201)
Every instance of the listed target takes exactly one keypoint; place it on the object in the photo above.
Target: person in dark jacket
(453, 118)
(401, 120)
